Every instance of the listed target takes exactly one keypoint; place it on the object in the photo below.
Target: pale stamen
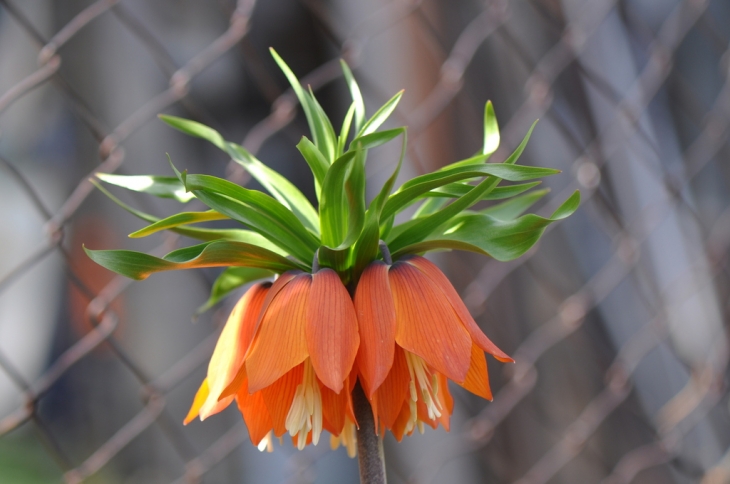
(305, 413)
(427, 382)
(266, 444)
(347, 438)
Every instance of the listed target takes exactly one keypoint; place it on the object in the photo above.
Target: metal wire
(547, 73)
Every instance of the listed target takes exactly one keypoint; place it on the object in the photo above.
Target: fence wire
(621, 353)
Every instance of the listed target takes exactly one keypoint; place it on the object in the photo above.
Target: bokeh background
(617, 319)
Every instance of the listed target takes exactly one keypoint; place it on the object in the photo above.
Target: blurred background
(617, 319)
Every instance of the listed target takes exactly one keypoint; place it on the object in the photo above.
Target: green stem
(369, 444)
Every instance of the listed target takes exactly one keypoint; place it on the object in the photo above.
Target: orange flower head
(285, 355)
(415, 333)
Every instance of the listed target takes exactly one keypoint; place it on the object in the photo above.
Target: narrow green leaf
(276, 184)
(427, 225)
(328, 142)
(356, 96)
(176, 220)
(259, 211)
(491, 130)
(345, 131)
(137, 265)
(315, 117)
(366, 248)
(194, 128)
(434, 203)
(377, 138)
(425, 183)
(161, 186)
(316, 161)
(455, 190)
(514, 207)
(380, 115)
(230, 279)
(238, 235)
(280, 188)
(503, 240)
(333, 206)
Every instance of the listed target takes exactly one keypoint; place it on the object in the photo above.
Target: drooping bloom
(415, 334)
(285, 356)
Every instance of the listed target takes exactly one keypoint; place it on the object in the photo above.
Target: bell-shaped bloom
(285, 355)
(415, 334)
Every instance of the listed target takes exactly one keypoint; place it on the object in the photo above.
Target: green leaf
(515, 207)
(491, 130)
(238, 235)
(178, 219)
(455, 190)
(137, 265)
(279, 187)
(356, 96)
(423, 184)
(193, 128)
(161, 186)
(380, 115)
(427, 225)
(433, 204)
(317, 125)
(316, 161)
(345, 131)
(378, 138)
(366, 247)
(503, 240)
(229, 280)
(276, 184)
(259, 211)
(333, 205)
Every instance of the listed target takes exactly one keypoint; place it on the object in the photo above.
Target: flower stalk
(369, 444)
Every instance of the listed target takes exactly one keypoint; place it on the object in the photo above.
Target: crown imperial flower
(294, 351)
(416, 332)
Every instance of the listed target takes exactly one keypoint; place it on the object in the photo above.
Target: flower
(415, 332)
(285, 355)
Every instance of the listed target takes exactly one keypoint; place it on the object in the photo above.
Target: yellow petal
(200, 397)
(232, 345)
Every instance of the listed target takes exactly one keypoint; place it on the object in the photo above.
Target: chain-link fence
(621, 351)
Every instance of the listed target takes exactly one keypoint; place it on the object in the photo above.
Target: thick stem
(369, 444)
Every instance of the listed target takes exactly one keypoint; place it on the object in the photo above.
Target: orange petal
(278, 285)
(279, 396)
(232, 344)
(423, 414)
(438, 277)
(331, 329)
(334, 410)
(399, 426)
(392, 393)
(446, 397)
(255, 414)
(426, 324)
(477, 379)
(280, 344)
(200, 396)
(376, 319)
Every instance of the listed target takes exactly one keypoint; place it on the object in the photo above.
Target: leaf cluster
(281, 229)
